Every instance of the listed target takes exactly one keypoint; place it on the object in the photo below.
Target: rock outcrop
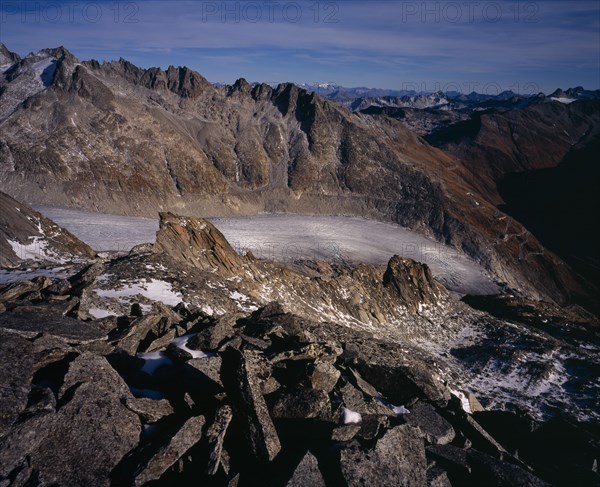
(196, 242)
(412, 282)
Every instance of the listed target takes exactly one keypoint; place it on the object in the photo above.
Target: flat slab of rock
(29, 325)
(451, 458)
(437, 430)
(17, 289)
(215, 436)
(324, 376)
(149, 410)
(240, 376)
(398, 460)
(488, 470)
(187, 436)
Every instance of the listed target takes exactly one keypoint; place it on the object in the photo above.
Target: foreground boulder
(163, 458)
(83, 440)
(295, 392)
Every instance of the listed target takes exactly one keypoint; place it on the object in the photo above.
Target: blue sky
(452, 45)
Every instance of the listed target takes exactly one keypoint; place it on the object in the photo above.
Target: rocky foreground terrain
(184, 363)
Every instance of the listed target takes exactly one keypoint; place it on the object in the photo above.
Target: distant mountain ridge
(350, 96)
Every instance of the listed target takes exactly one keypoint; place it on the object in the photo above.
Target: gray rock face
(29, 324)
(397, 460)
(14, 382)
(149, 410)
(238, 373)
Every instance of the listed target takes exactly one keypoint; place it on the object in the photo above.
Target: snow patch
(400, 410)
(154, 290)
(350, 417)
(181, 342)
(564, 100)
(153, 360)
(37, 249)
(100, 313)
(464, 401)
(45, 70)
(237, 296)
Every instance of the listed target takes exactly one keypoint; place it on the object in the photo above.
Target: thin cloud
(378, 34)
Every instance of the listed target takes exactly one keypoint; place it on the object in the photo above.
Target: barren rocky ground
(184, 362)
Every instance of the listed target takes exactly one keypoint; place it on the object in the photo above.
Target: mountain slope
(497, 142)
(26, 234)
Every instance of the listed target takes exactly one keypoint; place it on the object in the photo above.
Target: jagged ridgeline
(184, 363)
(115, 138)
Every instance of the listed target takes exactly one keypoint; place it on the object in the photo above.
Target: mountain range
(116, 138)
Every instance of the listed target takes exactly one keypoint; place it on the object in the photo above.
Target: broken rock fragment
(240, 376)
(215, 436)
(166, 456)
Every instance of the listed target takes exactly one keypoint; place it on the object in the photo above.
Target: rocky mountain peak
(241, 86)
(196, 242)
(186, 82)
(262, 91)
(8, 57)
(60, 53)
